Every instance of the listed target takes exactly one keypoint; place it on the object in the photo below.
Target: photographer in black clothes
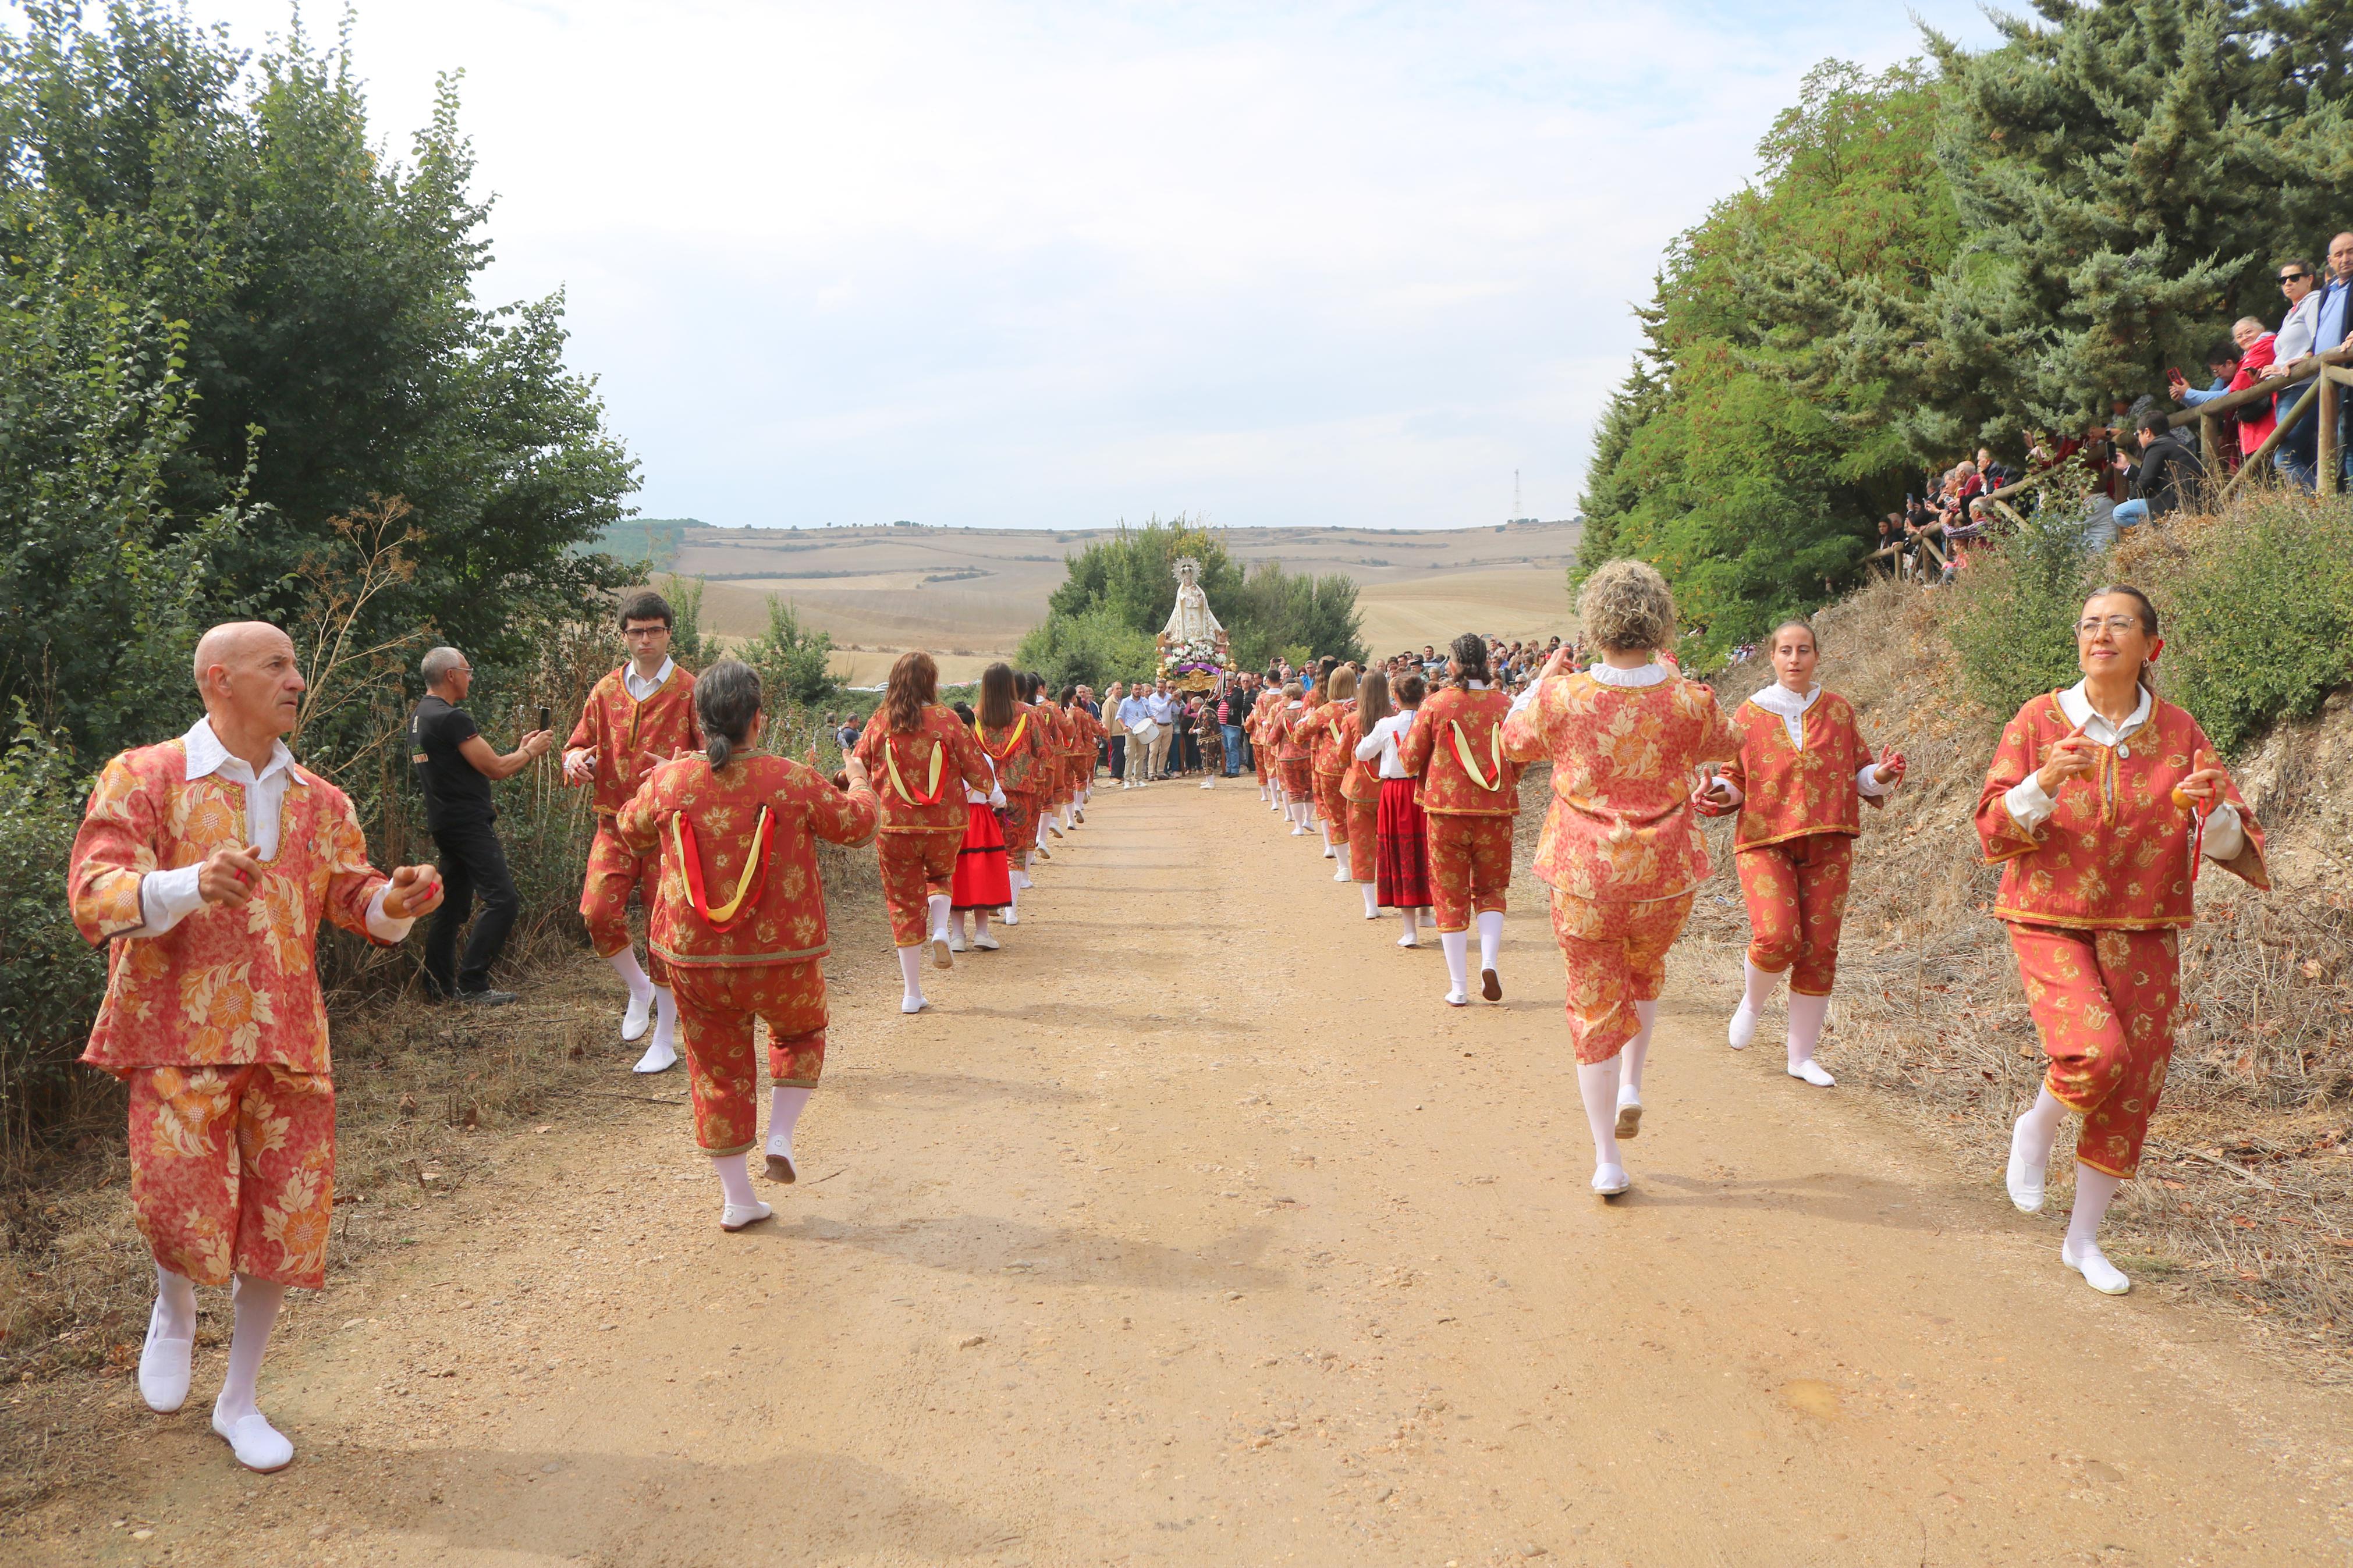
(455, 767)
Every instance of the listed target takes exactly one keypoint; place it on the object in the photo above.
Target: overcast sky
(1057, 264)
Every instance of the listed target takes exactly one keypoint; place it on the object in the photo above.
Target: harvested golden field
(967, 594)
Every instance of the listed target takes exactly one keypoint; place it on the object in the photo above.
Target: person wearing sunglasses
(2321, 317)
(2101, 802)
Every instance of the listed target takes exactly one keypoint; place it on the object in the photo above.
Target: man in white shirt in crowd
(1136, 720)
(1161, 706)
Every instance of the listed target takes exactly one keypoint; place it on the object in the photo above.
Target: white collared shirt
(1383, 743)
(638, 686)
(2031, 805)
(167, 897)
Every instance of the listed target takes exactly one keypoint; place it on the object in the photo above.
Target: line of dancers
(2102, 803)
(209, 861)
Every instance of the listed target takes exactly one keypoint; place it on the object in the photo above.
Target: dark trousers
(473, 865)
(1118, 744)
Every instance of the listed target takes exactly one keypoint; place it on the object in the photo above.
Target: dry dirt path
(1192, 1228)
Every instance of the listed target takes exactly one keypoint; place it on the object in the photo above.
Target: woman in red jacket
(739, 917)
(2101, 801)
(1799, 783)
(1471, 790)
(922, 761)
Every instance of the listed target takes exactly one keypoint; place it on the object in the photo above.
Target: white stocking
(175, 1305)
(735, 1181)
(1597, 1085)
(1457, 944)
(633, 975)
(1758, 992)
(981, 922)
(2031, 1141)
(911, 970)
(786, 1103)
(939, 907)
(255, 1303)
(665, 1018)
(1413, 937)
(1372, 901)
(1491, 937)
(2095, 1190)
(1806, 1015)
(1638, 1049)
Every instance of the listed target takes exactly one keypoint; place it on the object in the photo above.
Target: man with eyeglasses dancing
(637, 717)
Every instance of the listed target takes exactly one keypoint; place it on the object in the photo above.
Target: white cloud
(1037, 264)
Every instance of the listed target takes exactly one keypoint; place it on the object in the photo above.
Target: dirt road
(1193, 1228)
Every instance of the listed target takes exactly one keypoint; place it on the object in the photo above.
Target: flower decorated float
(1193, 653)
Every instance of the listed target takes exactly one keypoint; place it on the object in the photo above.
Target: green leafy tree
(795, 660)
(2127, 171)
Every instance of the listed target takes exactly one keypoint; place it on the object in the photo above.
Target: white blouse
(1382, 742)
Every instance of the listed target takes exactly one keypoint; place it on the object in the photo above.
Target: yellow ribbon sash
(931, 791)
(1469, 766)
(689, 862)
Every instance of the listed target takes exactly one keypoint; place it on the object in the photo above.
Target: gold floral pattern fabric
(914, 866)
(614, 871)
(1364, 839)
(936, 729)
(1796, 891)
(1616, 955)
(787, 923)
(1332, 808)
(715, 1012)
(233, 1169)
(2114, 853)
(1470, 866)
(1432, 752)
(224, 987)
(1793, 791)
(2103, 1003)
(633, 738)
(1018, 750)
(1621, 829)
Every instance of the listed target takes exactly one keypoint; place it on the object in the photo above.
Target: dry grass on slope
(2245, 1196)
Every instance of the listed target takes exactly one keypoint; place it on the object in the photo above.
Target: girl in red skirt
(983, 881)
(1401, 858)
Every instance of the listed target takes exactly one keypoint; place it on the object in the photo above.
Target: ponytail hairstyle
(1410, 690)
(1344, 683)
(727, 701)
(997, 699)
(1807, 626)
(2147, 675)
(914, 683)
(1373, 703)
(1470, 651)
(1070, 695)
(1030, 684)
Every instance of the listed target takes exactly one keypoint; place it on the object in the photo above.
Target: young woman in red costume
(921, 761)
(1471, 790)
(1360, 787)
(1290, 758)
(982, 884)
(1319, 731)
(1400, 832)
(1799, 783)
(739, 917)
(1015, 741)
(2101, 804)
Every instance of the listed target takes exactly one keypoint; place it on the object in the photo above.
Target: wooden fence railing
(2330, 375)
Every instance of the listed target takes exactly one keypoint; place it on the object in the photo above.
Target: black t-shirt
(455, 793)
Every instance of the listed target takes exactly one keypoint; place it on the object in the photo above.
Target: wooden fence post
(2331, 460)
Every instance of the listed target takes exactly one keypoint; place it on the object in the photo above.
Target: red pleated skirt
(981, 880)
(1401, 861)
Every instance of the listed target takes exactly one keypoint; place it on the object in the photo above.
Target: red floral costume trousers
(716, 1007)
(915, 865)
(1616, 955)
(233, 1169)
(1330, 807)
(2102, 1002)
(1470, 866)
(1796, 893)
(613, 869)
(1363, 818)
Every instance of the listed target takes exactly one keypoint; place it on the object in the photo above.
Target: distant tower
(1516, 495)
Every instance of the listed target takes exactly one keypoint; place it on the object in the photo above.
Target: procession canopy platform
(1193, 652)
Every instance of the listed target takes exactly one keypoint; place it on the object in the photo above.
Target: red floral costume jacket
(1319, 731)
(920, 777)
(781, 919)
(1621, 829)
(1460, 730)
(1358, 782)
(224, 987)
(1792, 793)
(633, 738)
(1016, 749)
(2114, 853)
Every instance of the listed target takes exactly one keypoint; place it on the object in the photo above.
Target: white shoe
(1054, 830)
(1813, 1073)
(2093, 1264)
(659, 1058)
(913, 1003)
(1124, 785)
(736, 1216)
(636, 1019)
(1042, 852)
(258, 1446)
(940, 951)
(2025, 1183)
(1608, 1181)
(1743, 1028)
(164, 1369)
(1008, 916)
(1330, 853)
(984, 943)
(956, 942)
(1408, 943)
(1491, 985)
(1298, 830)
(1342, 874)
(780, 1162)
(1205, 784)
(1629, 1113)
(1458, 998)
